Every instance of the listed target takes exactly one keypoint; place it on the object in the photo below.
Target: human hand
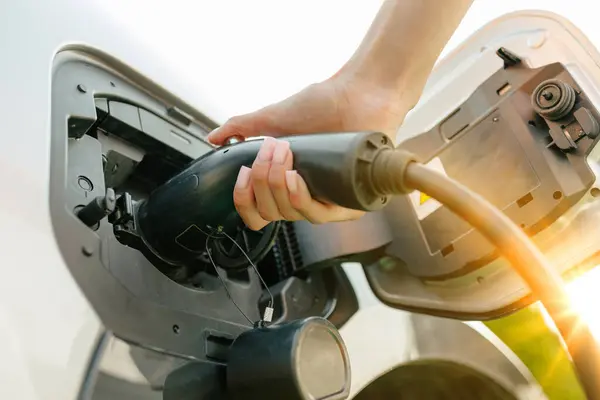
(271, 190)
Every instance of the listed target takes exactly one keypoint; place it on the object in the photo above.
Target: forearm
(403, 44)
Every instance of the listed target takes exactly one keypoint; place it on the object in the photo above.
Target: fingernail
(243, 178)
(291, 180)
(281, 151)
(266, 150)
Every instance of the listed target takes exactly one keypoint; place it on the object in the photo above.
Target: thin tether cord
(272, 301)
(208, 252)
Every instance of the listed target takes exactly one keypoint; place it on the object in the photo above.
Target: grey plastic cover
(475, 117)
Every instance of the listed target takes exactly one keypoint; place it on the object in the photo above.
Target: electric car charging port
(113, 145)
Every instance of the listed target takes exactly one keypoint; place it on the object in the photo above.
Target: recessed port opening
(111, 272)
(129, 160)
(504, 89)
(107, 147)
(133, 160)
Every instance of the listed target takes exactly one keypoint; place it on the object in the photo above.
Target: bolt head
(546, 94)
(81, 88)
(549, 96)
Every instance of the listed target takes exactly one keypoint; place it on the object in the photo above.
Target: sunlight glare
(585, 295)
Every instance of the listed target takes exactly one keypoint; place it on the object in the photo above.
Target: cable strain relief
(389, 170)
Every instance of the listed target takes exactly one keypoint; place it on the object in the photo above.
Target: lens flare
(585, 295)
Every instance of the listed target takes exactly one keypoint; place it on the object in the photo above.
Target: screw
(81, 88)
(495, 119)
(547, 95)
(87, 251)
(176, 329)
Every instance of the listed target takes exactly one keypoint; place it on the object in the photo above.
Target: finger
(302, 201)
(265, 202)
(243, 126)
(313, 210)
(243, 198)
(339, 214)
(283, 160)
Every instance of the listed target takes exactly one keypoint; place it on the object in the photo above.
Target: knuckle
(298, 203)
(315, 218)
(241, 199)
(260, 175)
(234, 127)
(291, 215)
(244, 212)
(277, 182)
(267, 214)
(300, 206)
(255, 225)
(306, 209)
(236, 122)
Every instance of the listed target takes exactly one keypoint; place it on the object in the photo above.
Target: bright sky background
(246, 54)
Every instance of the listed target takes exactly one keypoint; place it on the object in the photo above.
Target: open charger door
(488, 118)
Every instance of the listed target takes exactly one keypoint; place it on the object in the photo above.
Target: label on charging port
(423, 204)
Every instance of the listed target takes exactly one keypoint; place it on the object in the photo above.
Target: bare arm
(404, 42)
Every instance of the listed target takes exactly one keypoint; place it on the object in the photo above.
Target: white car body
(48, 330)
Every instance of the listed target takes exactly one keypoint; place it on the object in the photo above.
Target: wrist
(369, 104)
(397, 88)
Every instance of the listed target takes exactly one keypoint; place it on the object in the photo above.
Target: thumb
(242, 126)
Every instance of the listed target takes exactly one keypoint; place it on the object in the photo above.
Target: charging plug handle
(176, 218)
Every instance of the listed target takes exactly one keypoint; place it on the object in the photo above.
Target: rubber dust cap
(301, 360)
